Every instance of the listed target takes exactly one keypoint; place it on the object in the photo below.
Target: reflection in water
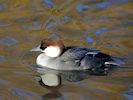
(4, 23)
(50, 3)
(50, 24)
(75, 76)
(80, 7)
(3, 6)
(2, 58)
(22, 94)
(89, 39)
(8, 41)
(66, 19)
(103, 5)
(71, 76)
(98, 5)
(53, 92)
(54, 35)
(129, 93)
(34, 26)
(106, 25)
(3, 81)
(101, 30)
(108, 45)
(23, 72)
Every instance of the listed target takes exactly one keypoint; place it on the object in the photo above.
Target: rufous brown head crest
(51, 42)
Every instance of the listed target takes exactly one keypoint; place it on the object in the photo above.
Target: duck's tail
(108, 65)
(116, 61)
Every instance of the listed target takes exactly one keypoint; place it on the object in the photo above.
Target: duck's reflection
(74, 75)
(53, 92)
(71, 76)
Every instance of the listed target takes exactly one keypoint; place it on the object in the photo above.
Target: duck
(55, 55)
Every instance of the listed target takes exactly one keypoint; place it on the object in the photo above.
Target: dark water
(106, 25)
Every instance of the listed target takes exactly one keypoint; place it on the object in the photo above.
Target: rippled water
(106, 25)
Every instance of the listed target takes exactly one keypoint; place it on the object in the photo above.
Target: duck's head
(51, 47)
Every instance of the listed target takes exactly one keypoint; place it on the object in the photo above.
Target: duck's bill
(36, 49)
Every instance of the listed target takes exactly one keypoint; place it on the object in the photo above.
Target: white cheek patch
(52, 51)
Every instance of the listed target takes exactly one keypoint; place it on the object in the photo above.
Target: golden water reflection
(104, 25)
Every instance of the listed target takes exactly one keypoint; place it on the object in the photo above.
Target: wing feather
(75, 53)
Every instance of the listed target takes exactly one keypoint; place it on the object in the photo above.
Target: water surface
(106, 25)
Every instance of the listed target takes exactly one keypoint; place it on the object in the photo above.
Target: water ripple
(103, 5)
(50, 3)
(89, 39)
(8, 41)
(50, 24)
(3, 6)
(23, 93)
(22, 72)
(54, 35)
(101, 30)
(129, 93)
(4, 24)
(66, 19)
(80, 7)
(2, 58)
(34, 26)
(3, 81)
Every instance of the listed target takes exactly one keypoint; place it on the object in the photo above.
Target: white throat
(52, 51)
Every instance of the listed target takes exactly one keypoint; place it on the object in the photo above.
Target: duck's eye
(42, 48)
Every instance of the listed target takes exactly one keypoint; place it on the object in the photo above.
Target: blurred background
(106, 25)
